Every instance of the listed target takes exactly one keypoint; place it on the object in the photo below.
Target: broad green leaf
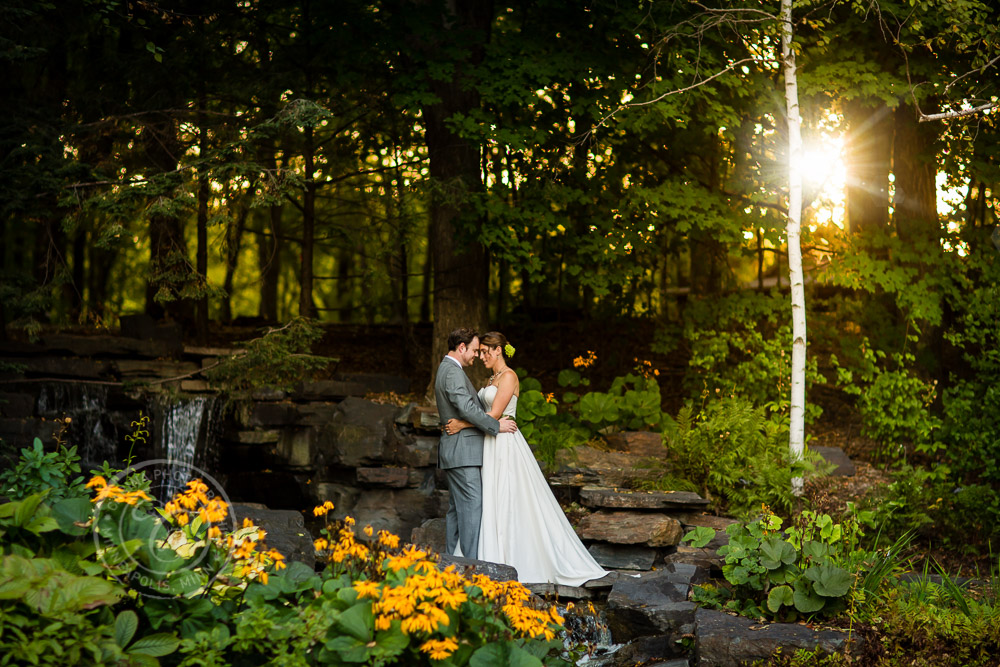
(699, 536)
(358, 621)
(126, 623)
(775, 552)
(829, 580)
(157, 645)
(778, 596)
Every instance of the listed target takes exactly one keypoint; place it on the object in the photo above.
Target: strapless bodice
(487, 394)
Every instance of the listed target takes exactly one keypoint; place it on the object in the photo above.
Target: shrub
(732, 454)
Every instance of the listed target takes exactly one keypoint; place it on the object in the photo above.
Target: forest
(614, 177)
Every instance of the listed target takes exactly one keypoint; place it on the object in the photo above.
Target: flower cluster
(585, 361)
(248, 562)
(115, 493)
(409, 591)
(645, 368)
(196, 501)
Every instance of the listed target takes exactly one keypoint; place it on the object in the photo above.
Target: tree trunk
(233, 246)
(201, 253)
(914, 201)
(460, 264)
(798, 398)
(306, 306)
(868, 153)
(167, 247)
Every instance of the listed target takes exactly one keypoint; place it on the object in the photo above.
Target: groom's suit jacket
(456, 397)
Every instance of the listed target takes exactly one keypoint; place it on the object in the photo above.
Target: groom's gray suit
(461, 455)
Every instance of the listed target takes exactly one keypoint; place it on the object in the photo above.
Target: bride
(522, 523)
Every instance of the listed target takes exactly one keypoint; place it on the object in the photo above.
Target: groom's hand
(507, 425)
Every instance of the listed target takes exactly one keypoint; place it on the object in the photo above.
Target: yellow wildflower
(367, 589)
(320, 544)
(418, 623)
(214, 532)
(439, 649)
(382, 622)
(247, 522)
(369, 530)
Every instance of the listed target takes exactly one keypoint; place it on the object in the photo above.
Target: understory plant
(810, 569)
(632, 402)
(733, 455)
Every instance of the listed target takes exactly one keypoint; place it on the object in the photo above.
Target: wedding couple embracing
(501, 509)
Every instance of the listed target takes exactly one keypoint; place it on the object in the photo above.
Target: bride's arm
(506, 386)
(505, 389)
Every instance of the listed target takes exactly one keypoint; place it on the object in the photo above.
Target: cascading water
(92, 429)
(184, 432)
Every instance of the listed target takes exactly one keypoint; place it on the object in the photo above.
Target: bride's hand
(452, 427)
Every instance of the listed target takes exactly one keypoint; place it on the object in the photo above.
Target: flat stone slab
(329, 390)
(836, 456)
(158, 368)
(731, 641)
(397, 478)
(560, 591)
(716, 523)
(495, 571)
(605, 498)
(101, 346)
(643, 443)
(655, 603)
(654, 530)
(706, 559)
(268, 437)
(623, 557)
(585, 465)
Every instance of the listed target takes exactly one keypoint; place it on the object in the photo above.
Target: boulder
(328, 390)
(655, 603)
(377, 383)
(730, 641)
(266, 414)
(417, 451)
(398, 511)
(317, 413)
(656, 650)
(585, 465)
(623, 557)
(603, 497)
(397, 478)
(286, 531)
(342, 496)
(654, 530)
(295, 447)
(470, 566)
(361, 433)
(643, 443)
(836, 456)
(431, 534)
(706, 559)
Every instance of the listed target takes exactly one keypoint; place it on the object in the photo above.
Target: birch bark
(797, 408)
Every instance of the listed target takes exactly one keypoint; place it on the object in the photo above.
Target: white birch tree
(796, 436)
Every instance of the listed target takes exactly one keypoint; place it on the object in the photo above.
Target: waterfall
(93, 429)
(185, 431)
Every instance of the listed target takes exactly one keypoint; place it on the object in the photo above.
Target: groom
(461, 455)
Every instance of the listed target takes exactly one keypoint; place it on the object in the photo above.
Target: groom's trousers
(465, 509)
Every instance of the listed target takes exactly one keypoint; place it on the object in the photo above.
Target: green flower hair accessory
(508, 349)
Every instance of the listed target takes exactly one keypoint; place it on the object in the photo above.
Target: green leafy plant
(782, 576)
(56, 472)
(731, 453)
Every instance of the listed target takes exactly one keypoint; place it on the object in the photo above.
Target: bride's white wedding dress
(522, 523)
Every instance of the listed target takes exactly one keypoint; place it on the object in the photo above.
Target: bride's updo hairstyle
(495, 339)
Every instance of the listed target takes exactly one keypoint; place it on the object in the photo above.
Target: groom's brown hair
(459, 336)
